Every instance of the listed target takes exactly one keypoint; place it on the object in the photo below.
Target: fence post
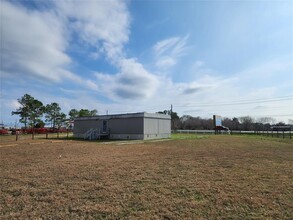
(16, 137)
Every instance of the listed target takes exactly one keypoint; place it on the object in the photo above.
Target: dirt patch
(221, 177)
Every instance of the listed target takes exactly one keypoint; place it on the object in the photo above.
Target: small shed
(135, 126)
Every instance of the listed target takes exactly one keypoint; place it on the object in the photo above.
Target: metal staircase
(91, 134)
(94, 134)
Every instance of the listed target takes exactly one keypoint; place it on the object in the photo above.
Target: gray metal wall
(120, 128)
(82, 126)
(126, 125)
(129, 126)
(157, 128)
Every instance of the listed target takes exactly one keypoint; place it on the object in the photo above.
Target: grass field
(187, 177)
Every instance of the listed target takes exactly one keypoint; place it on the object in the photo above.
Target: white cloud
(132, 82)
(169, 50)
(91, 85)
(35, 48)
(40, 52)
(165, 62)
(165, 45)
(101, 24)
(13, 104)
(33, 43)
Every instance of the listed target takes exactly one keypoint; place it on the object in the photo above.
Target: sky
(230, 58)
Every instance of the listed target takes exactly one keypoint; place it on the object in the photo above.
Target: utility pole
(171, 118)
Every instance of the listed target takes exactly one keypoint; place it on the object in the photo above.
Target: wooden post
(57, 133)
(16, 137)
(33, 134)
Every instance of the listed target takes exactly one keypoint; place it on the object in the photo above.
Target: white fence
(265, 133)
(194, 131)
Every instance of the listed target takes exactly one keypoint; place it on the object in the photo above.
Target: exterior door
(105, 126)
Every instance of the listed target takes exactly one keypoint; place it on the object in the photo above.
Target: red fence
(36, 131)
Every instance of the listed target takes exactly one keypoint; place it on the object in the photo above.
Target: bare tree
(266, 120)
(246, 123)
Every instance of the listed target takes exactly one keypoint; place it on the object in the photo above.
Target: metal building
(139, 126)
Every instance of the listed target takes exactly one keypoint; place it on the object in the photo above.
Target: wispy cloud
(165, 45)
(169, 50)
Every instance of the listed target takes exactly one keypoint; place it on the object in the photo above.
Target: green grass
(267, 138)
(180, 136)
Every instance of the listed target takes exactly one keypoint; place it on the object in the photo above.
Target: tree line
(33, 113)
(245, 123)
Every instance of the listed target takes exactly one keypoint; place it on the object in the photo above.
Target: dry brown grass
(220, 177)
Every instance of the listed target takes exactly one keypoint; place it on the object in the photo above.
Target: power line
(227, 103)
(265, 108)
(233, 103)
(235, 112)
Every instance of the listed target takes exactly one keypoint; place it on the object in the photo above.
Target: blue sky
(231, 58)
